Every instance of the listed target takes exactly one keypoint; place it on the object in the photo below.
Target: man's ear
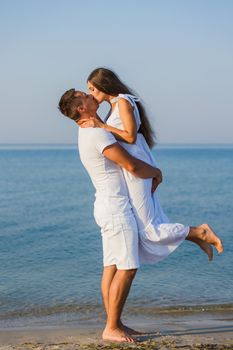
(80, 109)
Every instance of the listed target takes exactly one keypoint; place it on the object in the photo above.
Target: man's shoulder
(96, 133)
(95, 138)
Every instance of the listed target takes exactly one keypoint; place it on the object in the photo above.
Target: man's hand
(156, 181)
(117, 154)
(90, 123)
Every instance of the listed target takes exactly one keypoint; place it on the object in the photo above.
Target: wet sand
(179, 330)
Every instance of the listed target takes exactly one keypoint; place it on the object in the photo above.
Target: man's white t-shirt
(107, 177)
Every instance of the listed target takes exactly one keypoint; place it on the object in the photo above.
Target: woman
(128, 122)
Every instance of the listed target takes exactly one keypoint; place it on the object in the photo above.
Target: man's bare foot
(206, 247)
(212, 238)
(129, 330)
(117, 335)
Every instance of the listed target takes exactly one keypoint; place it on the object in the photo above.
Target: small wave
(51, 310)
(182, 309)
(89, 310)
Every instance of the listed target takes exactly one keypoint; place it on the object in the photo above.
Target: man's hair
(68, 104)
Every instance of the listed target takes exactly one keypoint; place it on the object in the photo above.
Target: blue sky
(177, 55)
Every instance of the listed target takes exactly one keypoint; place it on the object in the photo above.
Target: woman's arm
(129, 134)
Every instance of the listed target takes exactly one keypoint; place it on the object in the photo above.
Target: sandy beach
(176, 330)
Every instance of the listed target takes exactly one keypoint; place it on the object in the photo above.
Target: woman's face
(99, 95)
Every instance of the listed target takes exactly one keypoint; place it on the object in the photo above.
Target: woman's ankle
(196, 232)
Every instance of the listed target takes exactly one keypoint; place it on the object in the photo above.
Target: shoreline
(189, 330)
(87, 316)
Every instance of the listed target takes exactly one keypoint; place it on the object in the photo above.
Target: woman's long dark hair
(108, 82)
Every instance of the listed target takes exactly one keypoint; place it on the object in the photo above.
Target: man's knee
(129, 274)
(133, 273)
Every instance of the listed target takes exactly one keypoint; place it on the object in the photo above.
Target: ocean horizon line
(5, 146)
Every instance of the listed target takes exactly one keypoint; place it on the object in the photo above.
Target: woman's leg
(206, 247)
(205, 234)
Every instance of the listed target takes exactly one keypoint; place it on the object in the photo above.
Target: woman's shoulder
(124, 102)
(132, 99)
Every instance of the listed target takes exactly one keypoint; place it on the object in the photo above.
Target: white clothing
(120, 240)
(112, 208)
(158, 238)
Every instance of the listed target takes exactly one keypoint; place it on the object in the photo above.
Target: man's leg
(107, 277)
(118, 293)
(108, 274)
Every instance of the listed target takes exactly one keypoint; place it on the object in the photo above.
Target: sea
(50, 245)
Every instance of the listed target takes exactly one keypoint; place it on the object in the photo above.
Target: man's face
(89, 103)
(99, 95)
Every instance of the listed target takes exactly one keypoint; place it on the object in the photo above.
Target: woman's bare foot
(212, 238)
(117, 335)
(206, 247)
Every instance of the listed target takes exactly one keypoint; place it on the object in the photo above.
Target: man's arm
(138, 168)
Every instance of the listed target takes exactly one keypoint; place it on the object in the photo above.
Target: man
(103, 158)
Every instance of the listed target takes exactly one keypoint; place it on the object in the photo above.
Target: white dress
(157, 237)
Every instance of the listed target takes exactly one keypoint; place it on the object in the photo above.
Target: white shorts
(120, 240)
